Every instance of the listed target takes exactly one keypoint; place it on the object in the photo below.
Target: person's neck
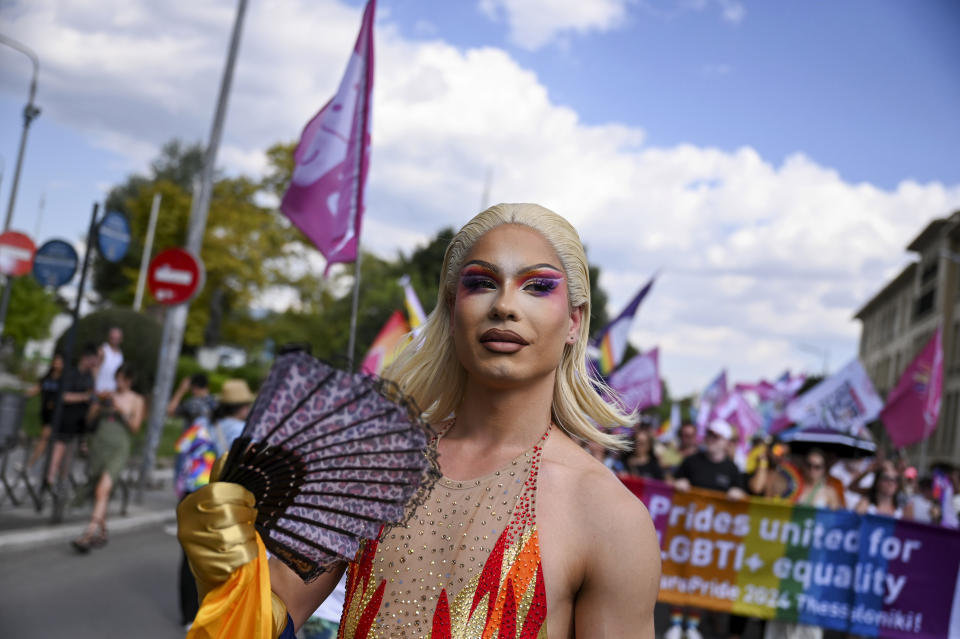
(504, 417)
(716, 458)
(641, 457)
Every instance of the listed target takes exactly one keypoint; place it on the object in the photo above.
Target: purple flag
(913, 407)
(709, 398)
(774, 398)
(608, 347)
(638, 381)
(325, 196)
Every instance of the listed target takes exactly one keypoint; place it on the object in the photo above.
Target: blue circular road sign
(113, 236)
(55, 263)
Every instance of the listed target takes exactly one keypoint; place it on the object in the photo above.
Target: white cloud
(731, 11)
(535, 23)
(758, 257)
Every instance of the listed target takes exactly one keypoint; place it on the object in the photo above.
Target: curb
(46, 535)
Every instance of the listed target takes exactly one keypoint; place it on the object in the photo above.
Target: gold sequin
(465, 519)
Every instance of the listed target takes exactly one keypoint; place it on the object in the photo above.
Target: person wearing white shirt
(109, 360)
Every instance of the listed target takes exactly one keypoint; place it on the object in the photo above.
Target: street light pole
(30, 111)
(821, 352)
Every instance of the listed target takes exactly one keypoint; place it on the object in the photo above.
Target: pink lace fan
(332, 458)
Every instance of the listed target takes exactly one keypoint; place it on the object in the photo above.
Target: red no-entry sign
(175, 276)
(16, 253)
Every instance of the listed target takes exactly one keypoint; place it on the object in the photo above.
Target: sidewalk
(22, 527)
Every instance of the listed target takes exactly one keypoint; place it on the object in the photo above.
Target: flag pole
(351, 348)
(358, 203)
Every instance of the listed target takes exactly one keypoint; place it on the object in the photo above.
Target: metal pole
(30, 111)
(147, 250)
(68, 348)
(353, 311)
(176, 317)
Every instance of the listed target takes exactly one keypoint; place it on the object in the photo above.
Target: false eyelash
(548, 285)
(476, 282)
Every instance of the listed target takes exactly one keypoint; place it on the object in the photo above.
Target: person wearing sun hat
(235, 399)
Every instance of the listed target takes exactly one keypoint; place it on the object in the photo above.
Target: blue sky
(868, 87)
(740, 143)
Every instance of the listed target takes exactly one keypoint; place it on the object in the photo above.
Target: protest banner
(845, 401)
(868, 575)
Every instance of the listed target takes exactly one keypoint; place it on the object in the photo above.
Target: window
(929, 273)
(924, 304)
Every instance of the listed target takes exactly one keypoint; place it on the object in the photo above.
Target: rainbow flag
(869, 575)
(196, 454)
(415, 314)
(608, 347)
(390, 340)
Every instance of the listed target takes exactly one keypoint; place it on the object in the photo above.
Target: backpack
(196, 453)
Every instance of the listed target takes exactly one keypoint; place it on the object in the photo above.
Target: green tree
(32, 309)
(598, 302)
(141, 340)
(245, 247)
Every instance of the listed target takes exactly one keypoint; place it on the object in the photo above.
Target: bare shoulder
(609, 538)
(595, 503)
(589, 487)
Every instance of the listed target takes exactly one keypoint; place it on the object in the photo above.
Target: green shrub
(141, 340)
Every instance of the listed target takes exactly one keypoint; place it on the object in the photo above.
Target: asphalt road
(126, 589)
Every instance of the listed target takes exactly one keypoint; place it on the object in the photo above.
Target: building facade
(901, 318)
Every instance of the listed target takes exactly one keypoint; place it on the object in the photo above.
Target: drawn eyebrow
(486, 265)
(522, 271)
(537, 267)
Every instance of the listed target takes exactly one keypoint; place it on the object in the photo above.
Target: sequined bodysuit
(466, 566)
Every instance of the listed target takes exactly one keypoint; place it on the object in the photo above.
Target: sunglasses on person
(888, 477)
(815, 466)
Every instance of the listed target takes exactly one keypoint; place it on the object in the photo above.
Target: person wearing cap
(712, 468)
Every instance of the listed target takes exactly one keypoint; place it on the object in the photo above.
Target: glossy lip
(499, 335)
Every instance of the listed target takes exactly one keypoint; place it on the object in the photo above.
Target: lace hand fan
(332, 458)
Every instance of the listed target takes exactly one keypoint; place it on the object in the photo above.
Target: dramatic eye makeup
(541, 281)
(476, 277)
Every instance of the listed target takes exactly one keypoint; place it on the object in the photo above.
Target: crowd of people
(882, 485)
(886, 484)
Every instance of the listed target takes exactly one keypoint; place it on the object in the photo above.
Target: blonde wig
(428, 369)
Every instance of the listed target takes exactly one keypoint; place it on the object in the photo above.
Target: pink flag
(737, 411)
(325, 197)
(913, 407)
(638, 381)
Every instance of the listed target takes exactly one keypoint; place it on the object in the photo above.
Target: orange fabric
(241, 606)
(521, 573)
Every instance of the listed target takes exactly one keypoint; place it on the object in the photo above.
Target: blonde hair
(429, 371)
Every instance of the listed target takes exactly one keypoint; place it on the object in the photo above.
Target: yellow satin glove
(215, 528)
